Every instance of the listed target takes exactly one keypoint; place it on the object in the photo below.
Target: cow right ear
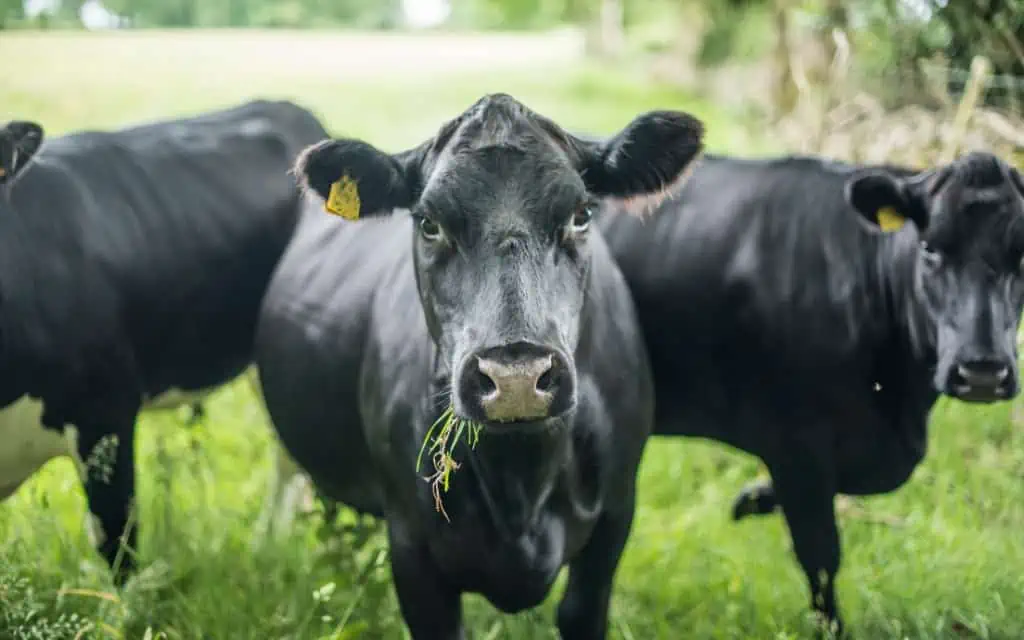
(357, 180)
(886, 201)
(19, 141)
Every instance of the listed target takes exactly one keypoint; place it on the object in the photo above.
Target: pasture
(942, 558)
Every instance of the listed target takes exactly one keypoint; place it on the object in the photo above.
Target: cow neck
(899, 264)
(516, 473)
(509, 476)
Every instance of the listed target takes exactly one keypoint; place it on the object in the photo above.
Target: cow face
(19, 141)
(970, 270)
(501, 201)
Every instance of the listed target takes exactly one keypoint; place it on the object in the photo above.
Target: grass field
(943, 558)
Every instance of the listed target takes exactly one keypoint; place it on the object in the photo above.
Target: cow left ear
(19, 141)
(357, 180)
(639, 166)
(886, 201)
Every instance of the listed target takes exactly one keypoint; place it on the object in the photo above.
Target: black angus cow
(496, 296)
(133, 266)
(785, 322)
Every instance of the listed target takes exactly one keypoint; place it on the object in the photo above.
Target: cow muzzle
(982, 380)
(519, 382)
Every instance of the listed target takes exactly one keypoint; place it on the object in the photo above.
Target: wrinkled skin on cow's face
(969, 276)
(502, 200)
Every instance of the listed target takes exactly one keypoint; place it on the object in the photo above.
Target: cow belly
(25, 446)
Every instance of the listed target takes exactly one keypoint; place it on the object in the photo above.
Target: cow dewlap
(343, 199)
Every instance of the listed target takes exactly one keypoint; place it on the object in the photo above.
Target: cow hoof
(755, 499)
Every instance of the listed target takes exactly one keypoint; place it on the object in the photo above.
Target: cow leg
(807, 499)
(431, 608)
(583, 612)
(755, 499)
(110, 490)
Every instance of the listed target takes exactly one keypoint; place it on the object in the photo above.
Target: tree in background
(10, 10)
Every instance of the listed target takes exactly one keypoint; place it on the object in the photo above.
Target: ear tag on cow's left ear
(343, 199)
(889, 219)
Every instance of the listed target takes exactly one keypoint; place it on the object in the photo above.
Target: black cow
(783, 323)
(494, 297)
(133, 266)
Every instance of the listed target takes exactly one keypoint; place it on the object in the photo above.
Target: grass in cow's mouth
(449, 430)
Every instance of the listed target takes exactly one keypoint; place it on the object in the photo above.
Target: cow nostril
(485, 383)
(982, 373)
(546, 382)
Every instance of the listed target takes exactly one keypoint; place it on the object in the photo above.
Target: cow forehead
(490, 184)
(977, 193)
(498, 119)
(984, 221)
(979, 170)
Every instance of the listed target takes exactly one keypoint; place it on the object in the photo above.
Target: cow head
(19, 141)
(501, 201)
(970, 269)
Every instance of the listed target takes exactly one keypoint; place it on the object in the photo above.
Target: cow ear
(19, 141)
(357, 180)
(639, 166)
(886, 201)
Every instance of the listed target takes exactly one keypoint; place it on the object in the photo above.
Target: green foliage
(515, 15)
(27, 615)
(379, 14)
(10, 10)
(736, 30)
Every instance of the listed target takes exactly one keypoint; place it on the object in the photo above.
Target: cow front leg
(583, 612)
(432, 608)
(806, 495)
(110, 489)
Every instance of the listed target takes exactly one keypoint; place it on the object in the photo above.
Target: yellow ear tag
(889, 219)
(343, 199)
(3, 172)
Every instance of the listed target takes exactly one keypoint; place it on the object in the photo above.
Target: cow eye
(430, 230)
(581, 220)
(931, 257)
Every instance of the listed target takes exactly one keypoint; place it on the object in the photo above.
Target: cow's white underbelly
(25, 446)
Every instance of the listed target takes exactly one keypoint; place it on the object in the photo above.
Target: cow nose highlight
(518, 389)
(983, 373)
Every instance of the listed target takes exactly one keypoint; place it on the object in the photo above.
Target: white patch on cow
(25, 446)
(174, 398)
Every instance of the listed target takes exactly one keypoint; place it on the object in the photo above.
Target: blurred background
(903, 81)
